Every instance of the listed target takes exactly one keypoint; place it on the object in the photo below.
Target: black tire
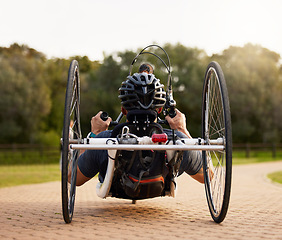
(71, 133)
(216, 123)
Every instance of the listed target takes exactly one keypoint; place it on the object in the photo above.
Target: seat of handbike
(140, 174)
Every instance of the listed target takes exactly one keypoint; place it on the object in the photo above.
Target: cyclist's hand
(98, 125)
(178, 122)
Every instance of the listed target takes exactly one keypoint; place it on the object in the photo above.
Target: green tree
(252, 74)
(100, 92)
(189, 65)
(25, 96)
(32, 89)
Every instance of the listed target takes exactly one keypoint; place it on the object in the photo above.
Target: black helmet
(142, 91)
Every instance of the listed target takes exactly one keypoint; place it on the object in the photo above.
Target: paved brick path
(34, 212)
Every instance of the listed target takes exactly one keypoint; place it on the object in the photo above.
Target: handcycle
(215, 143)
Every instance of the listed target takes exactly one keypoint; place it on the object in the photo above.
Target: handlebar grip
(104, 116)
(171, 112)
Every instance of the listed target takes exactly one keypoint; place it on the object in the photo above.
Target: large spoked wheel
(216, 123)
(71, 134)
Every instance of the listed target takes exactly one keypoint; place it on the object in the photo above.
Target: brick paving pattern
(255, 211)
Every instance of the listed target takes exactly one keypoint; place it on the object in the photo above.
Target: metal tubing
(147, 140)
(146, 147)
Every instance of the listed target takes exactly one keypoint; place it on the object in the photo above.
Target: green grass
(244, 160)
(259, 155)
(276, 177)
(13, 175)
(30, 156)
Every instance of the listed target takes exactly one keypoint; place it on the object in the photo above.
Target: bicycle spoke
(73, 107)
(215, 113)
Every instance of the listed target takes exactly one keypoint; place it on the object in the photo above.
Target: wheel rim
(74, 106)
(75, 133)
(72, 186)
(71, 133)
(217, 168)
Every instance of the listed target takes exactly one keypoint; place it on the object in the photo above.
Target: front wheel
(216, 123)
(71, 134)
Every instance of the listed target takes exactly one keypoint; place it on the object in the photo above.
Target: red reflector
(159, 138)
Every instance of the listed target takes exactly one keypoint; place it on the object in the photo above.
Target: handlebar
(171, 112)
(104, 116)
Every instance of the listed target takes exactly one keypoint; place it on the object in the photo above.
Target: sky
(64, 28)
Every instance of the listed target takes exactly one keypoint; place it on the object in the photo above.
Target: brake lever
(170, 104)
(169, 108)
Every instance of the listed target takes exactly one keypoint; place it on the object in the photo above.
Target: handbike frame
(146, 143)
(216, 153)
(140, 143)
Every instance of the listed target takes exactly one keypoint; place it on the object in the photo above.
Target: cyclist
(92, 162)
